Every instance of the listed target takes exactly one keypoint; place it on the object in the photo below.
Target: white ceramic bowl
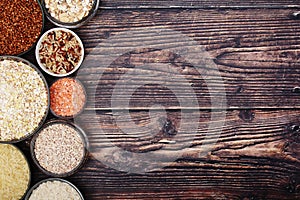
(37, 54)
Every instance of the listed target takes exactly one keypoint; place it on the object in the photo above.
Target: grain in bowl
(59, 52)
(70, 13)
(24, 99)
(67, 98)
(14, 172)
(54, 188)
(21, 22)
(60, 148)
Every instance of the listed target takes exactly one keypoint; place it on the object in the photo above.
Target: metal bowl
(77, 24)
(26, 160)
(52, 179)
(41, 31)
(84, 141)
(17, 59)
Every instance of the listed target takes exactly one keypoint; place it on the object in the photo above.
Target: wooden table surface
(251, 55)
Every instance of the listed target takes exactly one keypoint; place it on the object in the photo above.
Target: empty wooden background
(256, 47)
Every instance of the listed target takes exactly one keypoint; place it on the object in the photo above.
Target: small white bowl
(37, 54)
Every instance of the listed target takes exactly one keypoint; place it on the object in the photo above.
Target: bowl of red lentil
(70, 14)
(22, 23)
(24, 97)
(67, 98)
(59, 148)
(59, 52)
(54, 188)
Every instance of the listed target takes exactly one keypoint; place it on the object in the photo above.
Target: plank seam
(199, 7)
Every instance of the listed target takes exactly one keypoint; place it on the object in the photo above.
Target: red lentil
(67, 97)
(21, 24)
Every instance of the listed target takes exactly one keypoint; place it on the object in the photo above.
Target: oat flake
(69, 11)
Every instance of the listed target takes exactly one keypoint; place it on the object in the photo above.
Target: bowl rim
(72, 25)
(84, 140)
(35, 186)
(18, 59)
(37, 55)
(84, 105)
(27, 162)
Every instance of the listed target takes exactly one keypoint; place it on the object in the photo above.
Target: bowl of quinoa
(24, 99)
(59, 148)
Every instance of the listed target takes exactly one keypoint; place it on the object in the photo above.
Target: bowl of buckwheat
(70, 13)
(59, 52)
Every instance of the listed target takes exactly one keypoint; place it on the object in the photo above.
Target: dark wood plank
(129, 4)
(257, 154)
(242, 130)
(256, 53)
(254, 158)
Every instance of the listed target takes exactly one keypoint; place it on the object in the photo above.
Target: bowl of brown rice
(59, 52)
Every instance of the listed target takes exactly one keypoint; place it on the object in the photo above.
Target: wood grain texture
(146, 4)
(256, 153)
(254, 159)
(256, 53)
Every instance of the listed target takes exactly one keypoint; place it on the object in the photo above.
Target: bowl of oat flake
(24, 99)
(59, 52)
(70, 13)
